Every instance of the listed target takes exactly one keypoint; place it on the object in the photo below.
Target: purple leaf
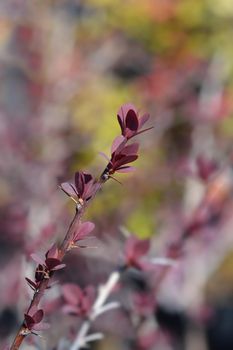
(131, 149)
(143, 119)
(52, 262)
(87, 177)
(71, 293)
(29, 321)
(117, 142)
(83, 230)
(79, 182)
(131, 120)
(136, 248)
(125, 169)
(122, 112)
(68, 189)
(141, 247)
(125, 160)
(52, 252)
(37, 317)
(89, 190)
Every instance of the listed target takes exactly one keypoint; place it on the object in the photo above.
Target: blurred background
(66, 66)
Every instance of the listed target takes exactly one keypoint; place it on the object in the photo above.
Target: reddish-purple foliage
(77, 301)
(83, 188)
(122, 155)
(130, 121)
(32, 321)
(84, 229)
(135, 249)
(46, 266)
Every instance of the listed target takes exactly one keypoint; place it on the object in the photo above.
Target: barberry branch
(82, 193)
(43, 285)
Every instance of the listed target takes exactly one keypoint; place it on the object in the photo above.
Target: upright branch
(82, 192)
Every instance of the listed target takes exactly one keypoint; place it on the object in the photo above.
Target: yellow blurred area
(5, 30)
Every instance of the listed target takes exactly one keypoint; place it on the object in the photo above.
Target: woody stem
(64, 247)
(19, 338)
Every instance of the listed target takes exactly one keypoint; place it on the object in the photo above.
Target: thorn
(115, 179)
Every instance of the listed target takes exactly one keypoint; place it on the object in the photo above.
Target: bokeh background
(66, 66)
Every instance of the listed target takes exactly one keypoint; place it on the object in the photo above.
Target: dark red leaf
(29, 321)
(52, 262)
(37, 317)
(52, 252)
(89, 190)
(124, 160)
(131, 120)
(122, 112)
(83, 230)
(79, 182)
(117, 142)
(135, 248)
(87, 177)
(130, 149)
(141, 247)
